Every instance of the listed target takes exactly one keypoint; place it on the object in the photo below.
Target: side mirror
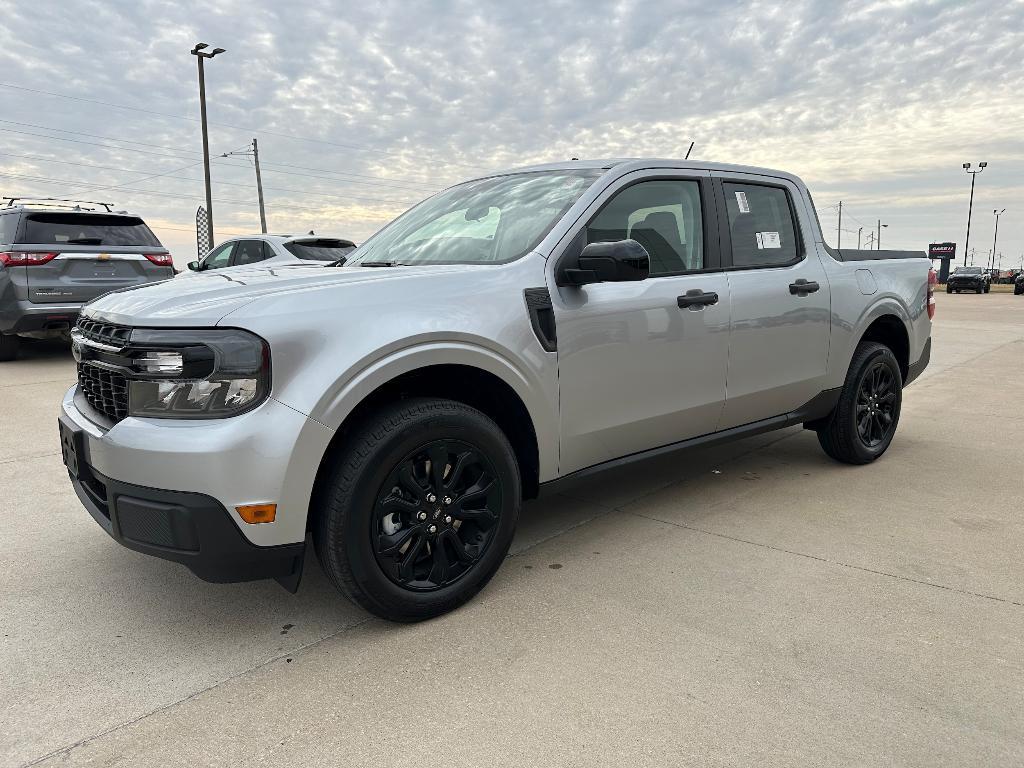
(615, 262)
(193, 265)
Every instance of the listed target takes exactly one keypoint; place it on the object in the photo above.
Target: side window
(247, 252)
(761, 225)
(664, 216)
(268, 250)
(219, 257)
(8, 227)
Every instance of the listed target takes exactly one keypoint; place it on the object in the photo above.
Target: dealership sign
(942, 251)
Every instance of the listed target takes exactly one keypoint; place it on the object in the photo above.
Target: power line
(222, 125)
(247, 203)
(393, 182)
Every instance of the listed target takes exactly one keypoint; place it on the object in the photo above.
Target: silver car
(273, 250)
(503, 336)
(55, 255)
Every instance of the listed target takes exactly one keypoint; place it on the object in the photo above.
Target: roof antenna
(575, 158)
(689, 151)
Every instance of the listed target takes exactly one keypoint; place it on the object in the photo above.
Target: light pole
(878, 240)
(201, 54)
(859, 230)
(970, 206)
(995, 237)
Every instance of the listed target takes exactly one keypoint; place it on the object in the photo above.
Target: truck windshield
(968, 270)
(488, 221)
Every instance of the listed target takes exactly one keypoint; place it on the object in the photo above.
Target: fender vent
(542, 317)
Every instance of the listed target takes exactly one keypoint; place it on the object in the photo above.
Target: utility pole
(200, 54)
(878, 240)
(995, 237)
(259, 186)
(871, 240)
(254, 151)
(839, 228)
(859, 230)
(970, 206)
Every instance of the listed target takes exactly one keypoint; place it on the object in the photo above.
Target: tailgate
(80, 277)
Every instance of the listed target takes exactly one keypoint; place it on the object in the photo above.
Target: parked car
(1018, 284)
(969, 279)
(507, 334)
(273, 250)
(57, 255)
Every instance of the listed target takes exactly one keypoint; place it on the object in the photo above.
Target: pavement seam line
(67, 748)
(826, 560)
(33, 456)
(36, 383)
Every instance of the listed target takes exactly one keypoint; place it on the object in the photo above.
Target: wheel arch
(889, 328)
(467, 382)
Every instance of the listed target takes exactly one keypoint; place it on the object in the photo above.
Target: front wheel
(418, 510)
(863, 423)
(988, 288)
(948, 289)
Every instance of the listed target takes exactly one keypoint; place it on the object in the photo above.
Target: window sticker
(741, 201)
(768, 240)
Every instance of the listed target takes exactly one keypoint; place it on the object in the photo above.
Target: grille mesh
(105, 390)
(105, 333)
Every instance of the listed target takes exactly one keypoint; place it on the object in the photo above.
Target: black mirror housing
(613, 262)
(193, 265)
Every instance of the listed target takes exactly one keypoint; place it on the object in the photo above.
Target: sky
(362, 109)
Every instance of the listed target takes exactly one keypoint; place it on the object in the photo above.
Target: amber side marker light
(257, 513)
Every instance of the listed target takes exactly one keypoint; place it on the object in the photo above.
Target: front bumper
(965, 285)
(170, 488)
(188, 528)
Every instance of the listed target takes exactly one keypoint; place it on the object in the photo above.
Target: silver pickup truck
(510, 332)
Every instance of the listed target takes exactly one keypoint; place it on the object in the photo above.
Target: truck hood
(206, 299)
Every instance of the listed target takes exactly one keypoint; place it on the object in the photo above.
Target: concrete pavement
(751, 604)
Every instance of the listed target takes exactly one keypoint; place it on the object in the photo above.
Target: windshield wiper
(382, 264)
(85, 241)
(338, 262)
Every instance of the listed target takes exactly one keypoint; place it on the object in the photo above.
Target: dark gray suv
(55, 258)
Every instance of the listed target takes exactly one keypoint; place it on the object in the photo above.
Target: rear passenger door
(642, 364)
(781, 309)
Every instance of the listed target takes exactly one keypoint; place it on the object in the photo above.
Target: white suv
(273, 250)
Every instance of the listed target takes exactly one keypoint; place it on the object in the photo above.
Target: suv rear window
(87, 229)
(320, 250)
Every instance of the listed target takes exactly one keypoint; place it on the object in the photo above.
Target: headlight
(201, 374)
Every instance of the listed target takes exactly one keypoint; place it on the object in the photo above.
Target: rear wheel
(864, 421)
(948, 289)
(988, 288)
(419, 509)
(9, 344)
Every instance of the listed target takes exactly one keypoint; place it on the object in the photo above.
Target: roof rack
(56, 202)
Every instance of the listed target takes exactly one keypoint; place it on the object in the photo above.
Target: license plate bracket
(72, 450)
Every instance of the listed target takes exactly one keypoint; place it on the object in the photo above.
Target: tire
(378, 489)
(1018, 290)
(979, 290)
(948, 289)
(988, 288)
(9, 344)
(840, 436)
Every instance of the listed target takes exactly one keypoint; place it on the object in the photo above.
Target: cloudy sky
(362, 109)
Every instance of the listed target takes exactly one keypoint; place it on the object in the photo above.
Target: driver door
(639, 366)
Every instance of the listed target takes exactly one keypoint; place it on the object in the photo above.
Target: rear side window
(320, 250)
(247, 252)
(761, 225)
(8, 227)
(87, 229)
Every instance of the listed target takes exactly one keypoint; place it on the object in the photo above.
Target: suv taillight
(25, 258)
(932, 280)
(160, 259)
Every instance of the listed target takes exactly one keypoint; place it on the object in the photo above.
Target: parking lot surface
(755, 604)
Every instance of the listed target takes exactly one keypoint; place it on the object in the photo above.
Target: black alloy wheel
(876, 400)
(436, 515)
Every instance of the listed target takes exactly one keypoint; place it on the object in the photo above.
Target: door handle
(696, 299)
(802, 287)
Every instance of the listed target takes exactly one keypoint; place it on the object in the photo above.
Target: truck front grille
(105, 333)
(105, 390)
